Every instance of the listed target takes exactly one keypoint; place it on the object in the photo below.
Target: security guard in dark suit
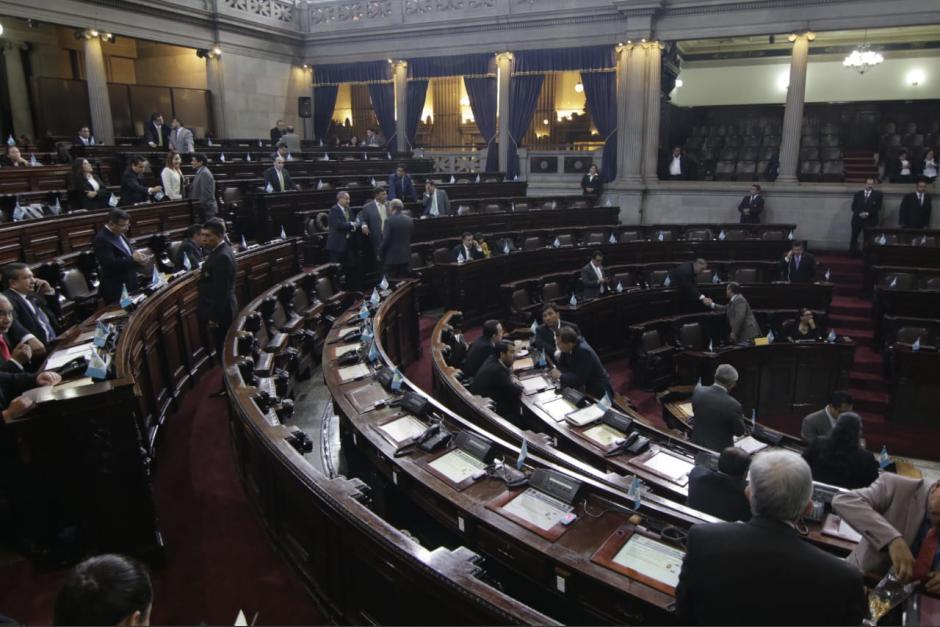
(216, 305)
(494, 380)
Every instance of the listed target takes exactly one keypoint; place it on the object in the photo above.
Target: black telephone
(768, 437)
(414, 403)
(475, 446)
(434, 438)
(555, 484)
(73, 368)
(617, 421)
(384, 377)
(573, 396)
(634, 443)
(348, 359)
(353, 335)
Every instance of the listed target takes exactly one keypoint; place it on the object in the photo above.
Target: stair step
(850, 322)
(849, 310)
(869, 381)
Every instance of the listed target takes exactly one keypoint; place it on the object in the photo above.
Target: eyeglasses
(6, 313)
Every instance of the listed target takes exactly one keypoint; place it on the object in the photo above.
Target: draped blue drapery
(462, 65)
(366, 72)
(383, 103)
(600, 92)
(417, 92)
(523, 97)
(324, 102)
(482, 95)
(564, 59)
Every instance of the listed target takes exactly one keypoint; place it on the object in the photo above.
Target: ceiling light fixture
(863, 58)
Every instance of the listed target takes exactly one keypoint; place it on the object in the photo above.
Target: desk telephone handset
(348, 359)
(633, 443)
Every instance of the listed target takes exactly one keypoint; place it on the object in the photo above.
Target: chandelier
(863, 59)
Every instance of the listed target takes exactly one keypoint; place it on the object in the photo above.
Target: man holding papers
(494, 380)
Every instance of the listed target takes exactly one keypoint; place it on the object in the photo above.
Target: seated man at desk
(762, 572)
(482, 347)
(799, 266)
(721, 492)
(682, 277)
(35, 302)
(18, 347)
(277, 178)
(546, 332)
(741, 321)
(579, 366)
(467, 249)
(820, 423)
(494, 380)
(718, 415)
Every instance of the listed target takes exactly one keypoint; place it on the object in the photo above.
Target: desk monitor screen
(537, 508)
(651, 558)
(404, 428)
(585, 416)
(558, 408)
(603, 434)
(525, 363)
(535, 384)
(457, 465)
(357, 371)
(670, 466)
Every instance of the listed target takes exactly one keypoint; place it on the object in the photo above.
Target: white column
(18, 90)
(631, 112)
(400, 76)
(504, 72)
(653, 104)
(793, 112)
(99, 103)
(216, 85)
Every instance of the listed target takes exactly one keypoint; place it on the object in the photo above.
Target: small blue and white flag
(667, 281)
(290, 157)
(478, 178)
(534, 327)
(832, 337)
(283, 232)
(634, 493)
(222, 157)
(56, 208)
(716, 279)
(506, 249)
(753, 418)
(113, 201)
(573, 301)
(452, 179)
(18, 212)
(33, 161)
(916, 345)
(244, 243)
(790, 235)
(383, 284)
(326, 156)
(894, 282)
(364, 312)
(247, 156)
(828, 274)
(882, 239)
(125, 297)
(187, 264)
(711, 347)
(11, 141)
(461, 258)
(884, 460)
(373, 351)
(660, 237)
(102, 332)
(722, 235)
(155, 279)
(396, 380)
(611, 239)
(770, 336)
(209, 141)
(619, 287)
(269, 188)
(607, 202)
(556, 243)
(98, 366)
(260, 145)
(375, 299)
(523, 454)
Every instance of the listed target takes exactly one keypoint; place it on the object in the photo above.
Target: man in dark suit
(741, 321)
(915, 207)
(373, 139)
(579, 366)
(190, 248)
(436, 202)
(372, 217)
(820, 423)
(84, 137)
(35, 302)
(482, 347)
(799, 266)
(216, 305)
(401, 186)
(866, 207)
(156, 133)
(279, 130)
(545, 333)
(751, 206)
(117, 259)
(340, 228)
(20, 350)
(494, 380)
(675, 167)
(721, 492)
(396, 242)
(202, 190)
(277, 178)
(718, 415)
(468, 249)
(593, 278)
(682, 277)
(133, 190)
(762, 572)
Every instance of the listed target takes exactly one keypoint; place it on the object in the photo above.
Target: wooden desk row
(44, 178)
(904, 249)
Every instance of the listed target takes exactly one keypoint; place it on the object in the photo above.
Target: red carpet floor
(219, 559)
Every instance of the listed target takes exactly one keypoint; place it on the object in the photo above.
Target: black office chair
(691, 337)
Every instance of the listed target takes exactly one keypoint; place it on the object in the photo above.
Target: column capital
(398, 64)
(808, 35)
(505, 55)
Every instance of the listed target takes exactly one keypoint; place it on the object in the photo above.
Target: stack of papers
(61, 357)
(749, 444)
(585, 416)
(350, 373)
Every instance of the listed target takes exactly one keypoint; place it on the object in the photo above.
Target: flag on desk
(607, 202)
(574, 300)
(155, 279)
(505, 247)
(605, 403)
(916, 345)
(321, 141)
(290, 157)
(125, 297)
(721, 235)
(364, 312)
(667, 281)
(523, 454)
(790, 235)
(828, 274)
(373, 351)
(209, 141)
(102, 332)
(187, 264)
(222, 157)
(365, 156)
(326, 156)
(372, 182)
(244, 243)
(534, 327)
(113, 201)
(753, 418)
(247, 156)
(882, 239)
(478, 178)
(542, 362)
(383, 284)
(634, 494)
(268, 188)
(98, 366)
(556, 243)
(711, 348)
(56, 208)
(375, 299)
(452, 179)
(461, 258)
(396, 380)
(716, 279)
(320, 184)
(18, 212)
(619, 287)
(832, 337)
(283, 232)
(894, 280)
(33, 161)
(884, 460)
(770, 336)
(612, 239)
(11, 141)
(660, 237)
(389, 156)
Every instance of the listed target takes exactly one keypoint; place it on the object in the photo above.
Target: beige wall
(173, 66)
(255, 94)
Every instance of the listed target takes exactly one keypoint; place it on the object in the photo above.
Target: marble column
(99, 102)
(400, 76)
(504, 72)
(631, 112)
(793, 112)
(18, 91)
(653, 104)
(216, 85)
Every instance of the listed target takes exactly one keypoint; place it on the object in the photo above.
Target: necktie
(920, 199)
(44, 322)
(280, 178)
(866, 195)
(926, 555)
(159, 136)
(4, 349)
(797, 262)
(124, 246)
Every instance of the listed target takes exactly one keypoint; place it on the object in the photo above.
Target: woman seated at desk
(804, 328)
(839, 459)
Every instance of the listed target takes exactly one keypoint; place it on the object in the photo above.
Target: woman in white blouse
(929, 169)
(172, 177)
(89, 188)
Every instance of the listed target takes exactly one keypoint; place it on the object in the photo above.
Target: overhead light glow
(915, 77)
(863, 59)
(679, 82)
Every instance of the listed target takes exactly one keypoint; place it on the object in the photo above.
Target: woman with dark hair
(839, 459)
(804, 329)
(88, 188)
(591, 184)
(105, 590)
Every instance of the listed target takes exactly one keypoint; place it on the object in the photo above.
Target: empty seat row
(909, 281)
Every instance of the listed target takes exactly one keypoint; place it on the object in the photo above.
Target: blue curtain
(564, 59)
(417, 92)
(324, 102)
(600, 92)
(482, 95)
(461, 65)
(523, 97)
(367, 72)
(383, 103)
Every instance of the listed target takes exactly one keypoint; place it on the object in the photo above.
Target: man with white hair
(762, 572)
(718, 415)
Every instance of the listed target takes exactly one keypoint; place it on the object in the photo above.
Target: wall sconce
(679, 83)
(915, 77)
(213, 53)
(93, 33)
(579, 87)
(1, 29)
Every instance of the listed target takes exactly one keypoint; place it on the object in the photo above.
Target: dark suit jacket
(402, 188)
(684, 165)
(216, 299)
(337, 239)
(116, 268)
(872, 206)
(858, 470)
(718, 494)
(741, 320)
(592, 287)
(98, 202)
(396, 240)
(133, 190)
(718, 417)
(682, 277)
(475, 253)
(594, 183)
(545, 338)
(77, 141)
(190, 249)
(369, 215)
(270, 178)
(276, 134)
(480, 349)
(806, 273)
(443, 203)
(494, 381)
(30, 321)
(150, 134)
(756, 206)
(582, 368)
(913, 215)
(762, 573)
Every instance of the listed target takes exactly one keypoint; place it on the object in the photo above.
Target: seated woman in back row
(804, 329)
(839, 458)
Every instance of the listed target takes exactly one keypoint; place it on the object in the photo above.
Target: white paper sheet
(585, 415)
(534, 384)
(457, 465)
(651, 558)
(530, 507)
(404, 428)
(558, 408)
(61, 357)
(669, 465)
(345, 348)
(749, 444)
(603, 434)
(353, 372)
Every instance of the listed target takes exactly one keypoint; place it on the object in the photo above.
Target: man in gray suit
(396, 241)
(373, 217)
(181, 138)
(202, 191)
(594, 279)
(744, 327)
(820, 423)
(718, 415)
(291, 140)
(436, 203)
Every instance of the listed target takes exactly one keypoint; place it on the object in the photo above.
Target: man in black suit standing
(721, 492)
(915, 207)
(762, 572)
(216, 305)
(190, 248)
(340, 228)
(751, 206)
(799, 266)
(467, 249)
(866, 207)
(494, 380)
(133, 190)
(579, 366)
(675, 167)
(396, 242)
(682, 277)
(372, 217)
(156, 133)
(279, 130)
(117, 259)
(35, 302)
(546, 332)
(593, 278)
(401, 186)
(717, 415)
(277, 179)
(482, 347)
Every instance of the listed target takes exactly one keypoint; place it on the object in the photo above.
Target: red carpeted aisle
(219, 559)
